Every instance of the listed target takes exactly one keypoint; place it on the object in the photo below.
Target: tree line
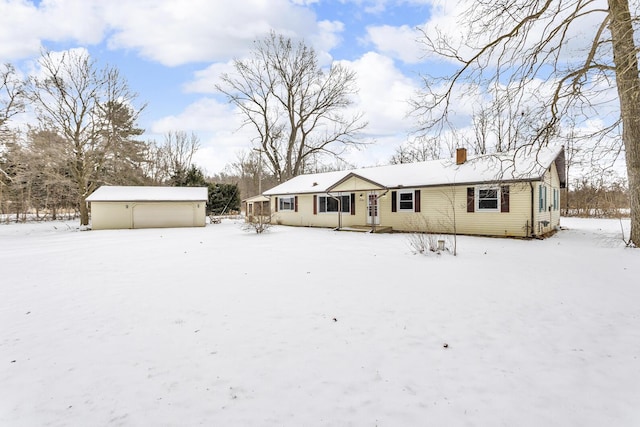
(85, 134)
(82, 133)
(528, 85)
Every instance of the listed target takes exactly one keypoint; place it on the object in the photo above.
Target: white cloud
(218, 126)
(18, 20)
(175, 33)
(384, 94)
(397, 42)
(206, 79)
(204, 115)
(23, 25)
(169, 32)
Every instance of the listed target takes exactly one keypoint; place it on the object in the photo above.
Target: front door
(373, 216)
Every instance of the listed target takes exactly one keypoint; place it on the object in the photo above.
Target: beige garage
(114, 207)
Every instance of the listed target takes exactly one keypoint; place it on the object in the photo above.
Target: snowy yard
(310, 327)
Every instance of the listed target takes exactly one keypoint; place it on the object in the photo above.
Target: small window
(330, 204)
(542, 198)
(405, 201)
(488, 199)
(286, 203)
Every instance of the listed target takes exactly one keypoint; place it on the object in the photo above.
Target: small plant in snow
(257, 223)
(423, 243)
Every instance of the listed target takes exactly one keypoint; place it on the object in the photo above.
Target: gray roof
(520, 165)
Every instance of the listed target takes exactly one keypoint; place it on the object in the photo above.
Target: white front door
(373, 216)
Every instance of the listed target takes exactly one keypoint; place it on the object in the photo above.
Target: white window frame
(291, 202)
(400, 201)
(498, 191)
(342, 203)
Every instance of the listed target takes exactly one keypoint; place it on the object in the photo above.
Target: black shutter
(353, 203)
(276, 204)
(394, 201)
(471, 199)
(295, 204)
(416, 201)
(315, 204)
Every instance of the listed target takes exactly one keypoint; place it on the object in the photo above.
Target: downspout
(373, 222)
(532, 211)
(339, 200)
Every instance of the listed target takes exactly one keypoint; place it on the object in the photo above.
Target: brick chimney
(461, 156)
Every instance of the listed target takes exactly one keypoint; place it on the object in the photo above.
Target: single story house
(115, 207)
(507, 194)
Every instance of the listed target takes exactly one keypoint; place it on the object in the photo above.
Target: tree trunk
(628, 83)
(84, 212)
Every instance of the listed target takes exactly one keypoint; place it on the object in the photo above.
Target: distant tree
(193, 177)
(124, 152)
(223, 198)
(179, 149)
(82, 104)
(53, 188)
(11, 103)
(295, 107)
(419, 150)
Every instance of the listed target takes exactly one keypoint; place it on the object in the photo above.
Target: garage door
(153, 215)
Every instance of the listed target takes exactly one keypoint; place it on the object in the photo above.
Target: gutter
(373, 223)
(337, 199)
(532, 210)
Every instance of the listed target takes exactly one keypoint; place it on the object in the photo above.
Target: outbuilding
(115, 207)
(256, 206)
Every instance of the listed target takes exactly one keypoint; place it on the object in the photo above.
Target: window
(488, 199)
(405, 201)
(330, 204)
(542, 198)
(556, 199)
(286, 203)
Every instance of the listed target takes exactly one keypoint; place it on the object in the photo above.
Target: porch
(367, 229)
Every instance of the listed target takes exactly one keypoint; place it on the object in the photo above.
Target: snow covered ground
(311, 327)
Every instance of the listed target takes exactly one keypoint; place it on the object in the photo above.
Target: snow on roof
(147, 194)
(258, 198)
(520, 165)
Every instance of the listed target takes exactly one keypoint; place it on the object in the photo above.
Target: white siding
(443, 210)
(117, 215)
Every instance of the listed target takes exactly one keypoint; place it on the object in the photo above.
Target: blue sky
(171, 53)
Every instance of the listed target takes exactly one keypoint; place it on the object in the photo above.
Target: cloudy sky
(172, 52)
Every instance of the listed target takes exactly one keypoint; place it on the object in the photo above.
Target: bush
(257, 223)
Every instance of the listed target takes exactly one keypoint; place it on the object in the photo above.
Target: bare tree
(418, 150)
(11, 103)
(171, 160)
(180, 148)
(72, 97)
(294, 105)
(428, 147)
(515, 43)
